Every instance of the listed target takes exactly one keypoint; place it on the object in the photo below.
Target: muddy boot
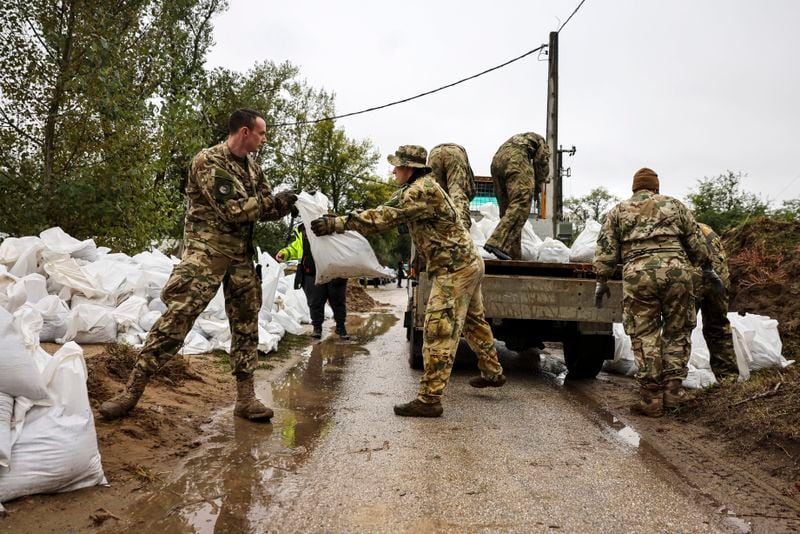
(480, 382)
(317, 333)
(247, 405)
(651, 402)
(675, 395)
(417, 408)
(497, 252)
(341, 331)
(123, 403)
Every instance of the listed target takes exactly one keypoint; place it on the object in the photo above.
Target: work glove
(284, 201)
(601, 290)
(326, 225)
(713, 281)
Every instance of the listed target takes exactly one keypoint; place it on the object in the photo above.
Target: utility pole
(554, 206)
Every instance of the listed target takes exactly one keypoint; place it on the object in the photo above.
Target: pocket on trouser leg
(439, 324)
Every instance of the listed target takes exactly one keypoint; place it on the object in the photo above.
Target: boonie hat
(410, 156)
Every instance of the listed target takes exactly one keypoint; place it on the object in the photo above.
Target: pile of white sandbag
(756, 342)
(48, 442)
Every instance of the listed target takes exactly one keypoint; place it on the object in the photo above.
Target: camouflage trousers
(717, 332)
(658, 314)
(191, 286)
(455, 306)
(514, 187)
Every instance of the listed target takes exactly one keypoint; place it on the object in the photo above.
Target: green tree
(721, 203)
(593, 206)
(789, 211)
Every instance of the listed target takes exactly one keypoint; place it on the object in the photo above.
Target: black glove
(324, 225)
(600, 290)
(293, 211)
(713, 281)
(284, 201)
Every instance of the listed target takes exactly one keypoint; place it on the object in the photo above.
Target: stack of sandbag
(48, 442)
(480, 231)
(582, 250)
(756, 342)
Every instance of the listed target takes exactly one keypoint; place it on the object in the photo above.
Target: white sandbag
(195, 343)
(54, 312)
(764, 342)
(216, 308)
(65, 273)
(287, 322)
(582, 250)
(56, 449)
(346, 255)
(19, 376)
(119, 278)
(700, 357)
(267, 342)
(476, 234)
(57, 240)
(271, 272)
(623, 362)
(130, 312)
(699, 378)
(10, 297)
(21, 254)
(213, 328)
(273, 328)
(90, 323)
(6, 412)
(490, 217)
(147, 320)
(30, 288)
(295, 304)
(553, 251)
(157, 305)
(531, 243)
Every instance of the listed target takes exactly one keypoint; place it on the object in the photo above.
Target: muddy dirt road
(534, 456)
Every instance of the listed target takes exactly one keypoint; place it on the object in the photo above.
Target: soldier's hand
(713, 281)
(324, 225)
(284, 201)
(601, 290)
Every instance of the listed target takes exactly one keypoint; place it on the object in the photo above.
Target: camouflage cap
(645, 179)
(409, 156)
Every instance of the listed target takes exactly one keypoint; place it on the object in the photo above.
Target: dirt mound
(358, 300)
(764, 259)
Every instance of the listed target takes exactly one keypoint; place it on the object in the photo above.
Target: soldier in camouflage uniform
(227, 193)
(451, 169)
(519, 168)
(656, 239)
(455, 304)
(714, 305)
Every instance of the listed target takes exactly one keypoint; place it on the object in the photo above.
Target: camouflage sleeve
(269, 208)
(401, 208)
(457, 188)
(541, 163)
(217, 186)
(608, 253)
(692, 238)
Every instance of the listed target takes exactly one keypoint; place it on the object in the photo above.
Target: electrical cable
(420, 95)
(570, 17)
(331, 169)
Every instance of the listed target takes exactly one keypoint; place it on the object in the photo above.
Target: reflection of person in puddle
(455, 268)
(333, 292)
(227, 194)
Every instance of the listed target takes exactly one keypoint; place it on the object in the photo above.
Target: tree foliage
(721, 203)
(593, 206)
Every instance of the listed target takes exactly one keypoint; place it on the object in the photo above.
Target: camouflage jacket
(432, 219)
(524, 150)
(225, 200)
(719, 259)
(451, 170)
(645, 226)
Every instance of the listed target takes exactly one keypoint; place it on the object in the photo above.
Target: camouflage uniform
(714, 305)
(226, 195)
(652, 235)
(451, 169)
(455, 305)
(519, 168)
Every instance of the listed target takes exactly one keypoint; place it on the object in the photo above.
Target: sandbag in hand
(325, 225)
(284, 201)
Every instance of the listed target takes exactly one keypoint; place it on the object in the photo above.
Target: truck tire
(415, 349)
(585, 354)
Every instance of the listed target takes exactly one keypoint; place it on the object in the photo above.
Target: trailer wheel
(585, 354)
(415, 348)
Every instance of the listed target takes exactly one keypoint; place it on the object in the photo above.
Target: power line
(331, 169)
(570, 17)
(420, 95)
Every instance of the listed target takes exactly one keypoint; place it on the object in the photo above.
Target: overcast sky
(690, 88)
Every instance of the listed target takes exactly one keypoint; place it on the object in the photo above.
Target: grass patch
(288, 346)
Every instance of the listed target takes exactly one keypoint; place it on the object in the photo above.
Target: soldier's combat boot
(341, 331)
(317, 333)
(417, 408)
(497, 252)
(651, 402)
(123, 403)
(480, 382)
(675, 395)
(247, 405)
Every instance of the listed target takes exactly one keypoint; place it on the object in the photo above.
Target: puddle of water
(230, 478)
